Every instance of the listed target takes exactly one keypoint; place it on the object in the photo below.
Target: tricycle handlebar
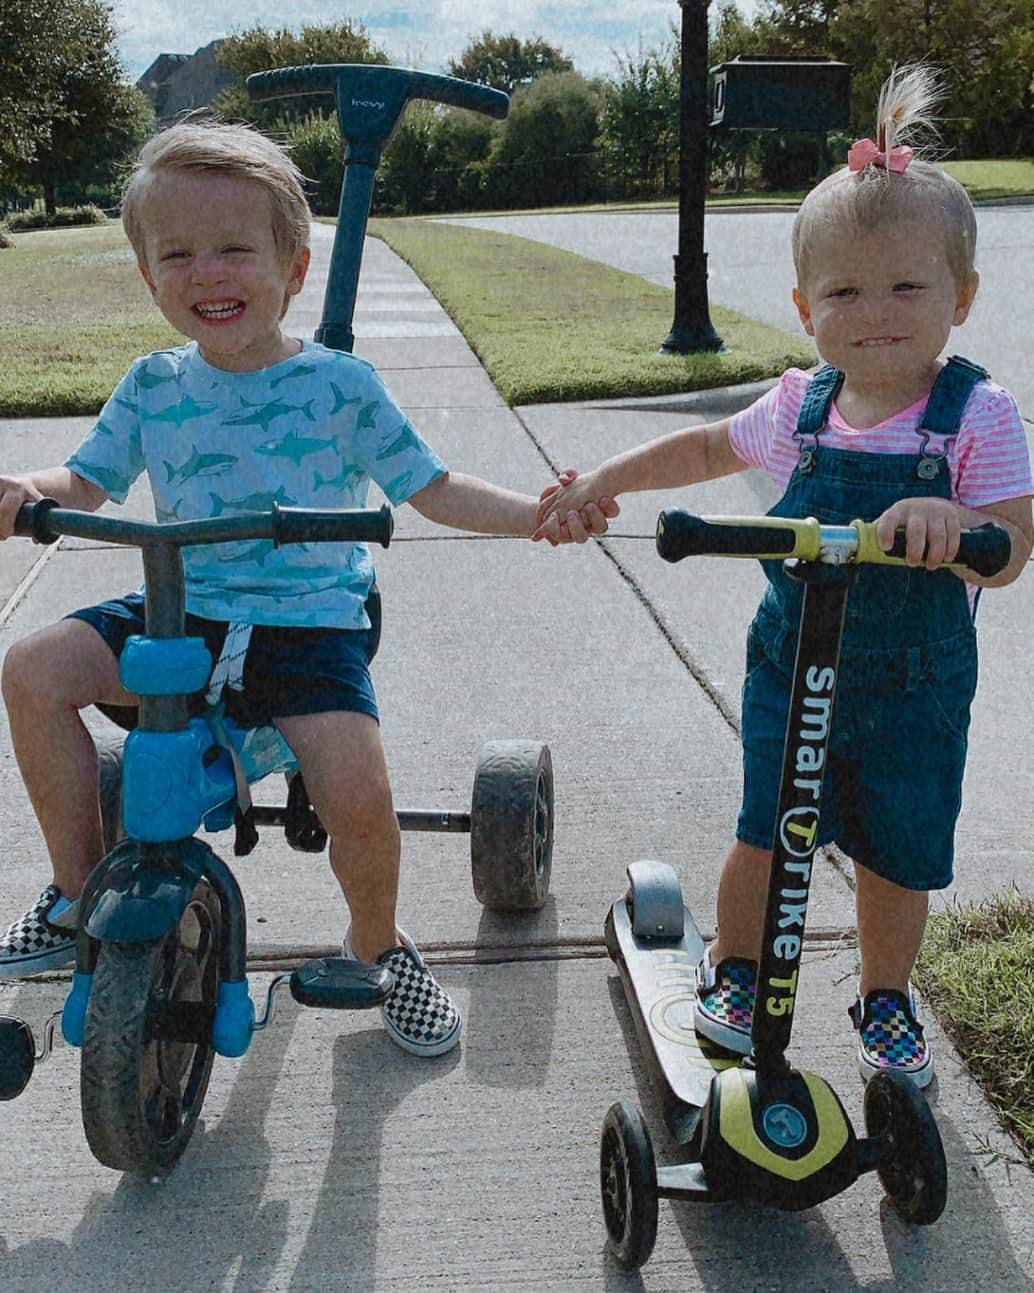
(985, 550)
(46, 521)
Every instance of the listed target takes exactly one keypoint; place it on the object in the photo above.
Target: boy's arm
(684, 457)
(469, 503)
(59, 483)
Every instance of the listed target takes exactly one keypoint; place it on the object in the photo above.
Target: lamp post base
(690, 339)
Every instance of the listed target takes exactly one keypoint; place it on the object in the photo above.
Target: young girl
(886, 431)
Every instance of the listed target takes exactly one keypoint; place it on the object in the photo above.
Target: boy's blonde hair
(859, 201)
(236, 151)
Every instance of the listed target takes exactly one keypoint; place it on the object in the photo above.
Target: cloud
(427, 35)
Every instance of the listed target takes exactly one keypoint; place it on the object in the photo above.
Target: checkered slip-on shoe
(890, 1036)
(35, 944)
(724, 1007)
(419, 1015)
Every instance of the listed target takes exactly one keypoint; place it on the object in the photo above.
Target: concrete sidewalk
(326, 1158)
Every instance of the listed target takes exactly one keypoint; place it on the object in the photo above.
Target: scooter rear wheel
(912, 1167)
(147, 1055)
(628, 1185)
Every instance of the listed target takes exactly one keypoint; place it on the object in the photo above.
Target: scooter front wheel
(147, 1053)
(628, 1185)
(912, 1167)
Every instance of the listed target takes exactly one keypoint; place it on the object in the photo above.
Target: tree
(544, 154)
(639, 121)
(259, 50)
(66, 112)
(505, 62)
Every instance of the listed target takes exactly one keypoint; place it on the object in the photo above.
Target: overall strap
(818, 400)
(950, 394)
(944, 409)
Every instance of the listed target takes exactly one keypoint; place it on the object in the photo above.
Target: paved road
(751, 270)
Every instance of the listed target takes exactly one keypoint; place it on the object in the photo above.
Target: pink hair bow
(864, 152)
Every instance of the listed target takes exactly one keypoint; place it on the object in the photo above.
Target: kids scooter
(758, 1128)
(160, 981)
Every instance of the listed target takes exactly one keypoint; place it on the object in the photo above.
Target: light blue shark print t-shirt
(312, 431)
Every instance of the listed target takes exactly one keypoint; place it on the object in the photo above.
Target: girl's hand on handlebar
(573, 510)
(932, 527)
(13, 493)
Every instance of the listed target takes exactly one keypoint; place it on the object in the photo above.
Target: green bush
(62, 217)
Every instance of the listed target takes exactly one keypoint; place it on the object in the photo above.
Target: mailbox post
(691, 330)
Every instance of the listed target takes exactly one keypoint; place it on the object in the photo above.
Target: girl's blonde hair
(861, 200)
(236, 151)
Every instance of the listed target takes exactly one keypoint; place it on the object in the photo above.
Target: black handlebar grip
(985, 550)
(31, 521)
(680, 534)
(307, 525)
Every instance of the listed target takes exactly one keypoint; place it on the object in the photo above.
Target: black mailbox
(756, 93)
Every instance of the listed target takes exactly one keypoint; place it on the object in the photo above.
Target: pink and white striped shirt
(989, 460)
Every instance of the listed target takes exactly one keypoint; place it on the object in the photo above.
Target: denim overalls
(908, 664)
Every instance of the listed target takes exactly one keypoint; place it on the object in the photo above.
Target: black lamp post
(691, 330)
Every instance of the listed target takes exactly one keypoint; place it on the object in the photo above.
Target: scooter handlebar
(45, 521)
(985, 550)
(325, 78)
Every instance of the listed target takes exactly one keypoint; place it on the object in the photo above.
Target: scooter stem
(808, 730)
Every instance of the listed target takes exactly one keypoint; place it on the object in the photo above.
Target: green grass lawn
(74, 312)
(550, 326)
(976, 968)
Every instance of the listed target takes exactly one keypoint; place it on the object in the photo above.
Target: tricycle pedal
(17, 1057)
(333, 983)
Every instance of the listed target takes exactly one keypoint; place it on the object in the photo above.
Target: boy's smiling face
(212, 264)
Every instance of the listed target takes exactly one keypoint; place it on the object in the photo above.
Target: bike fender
(139, 908)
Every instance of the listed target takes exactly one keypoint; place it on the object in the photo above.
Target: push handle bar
(382, 91)
(985, 550)
(45, 521)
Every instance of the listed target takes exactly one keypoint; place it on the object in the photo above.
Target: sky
(594, 34)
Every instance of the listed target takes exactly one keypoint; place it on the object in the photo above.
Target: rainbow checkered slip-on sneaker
(890, 1036)
(724, 1007)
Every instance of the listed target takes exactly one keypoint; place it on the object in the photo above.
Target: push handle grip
(282, 82)
(360, 78)
(31, 521)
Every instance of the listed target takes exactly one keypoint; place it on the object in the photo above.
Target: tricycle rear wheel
(147, 1053)
(511, 825)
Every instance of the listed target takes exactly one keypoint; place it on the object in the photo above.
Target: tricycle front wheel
(147, 1053)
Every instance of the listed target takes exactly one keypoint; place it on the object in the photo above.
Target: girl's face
(212, 265)
(881, 304)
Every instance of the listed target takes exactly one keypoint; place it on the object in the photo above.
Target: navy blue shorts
(287, 670)
(895, 762)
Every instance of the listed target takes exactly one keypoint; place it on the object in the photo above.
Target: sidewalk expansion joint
(20, 593)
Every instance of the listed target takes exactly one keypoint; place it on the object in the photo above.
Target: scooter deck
(659, 979)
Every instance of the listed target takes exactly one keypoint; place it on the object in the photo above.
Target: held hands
(932, 528)
(573, 509)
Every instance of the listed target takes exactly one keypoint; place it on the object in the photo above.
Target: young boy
(241, 416)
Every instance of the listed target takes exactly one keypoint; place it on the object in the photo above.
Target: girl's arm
(684, 457)
(70, 490)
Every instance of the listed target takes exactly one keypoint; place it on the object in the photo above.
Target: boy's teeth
(218, 311)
